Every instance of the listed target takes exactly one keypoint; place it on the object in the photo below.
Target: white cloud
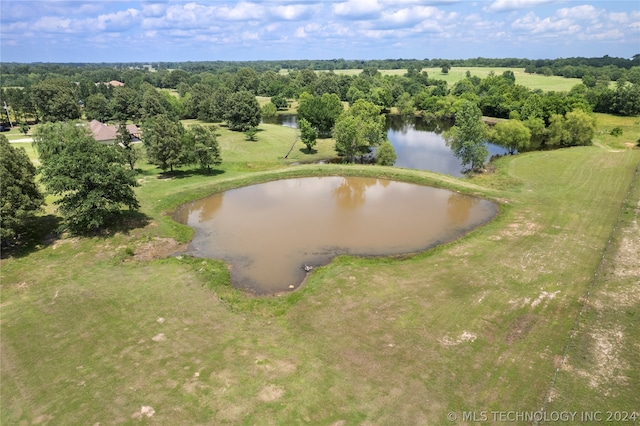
(118, 21)
(533, 24)
(583, 12)
(242, 11)
(53, 24)
(294, 11)
(507, 5)
(357, 9)
(154, 9)
(300, 33)
(606, 35)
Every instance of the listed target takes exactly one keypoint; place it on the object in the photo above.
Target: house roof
(103, 132)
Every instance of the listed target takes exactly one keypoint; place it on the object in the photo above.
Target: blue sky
(202, 30)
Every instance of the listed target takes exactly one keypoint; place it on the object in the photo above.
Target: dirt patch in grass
(271, 393)
(157, 248)
(520, 328)
(609, 367)
(627, 264)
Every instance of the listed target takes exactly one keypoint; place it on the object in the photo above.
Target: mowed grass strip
(601, 370)
(92, 333)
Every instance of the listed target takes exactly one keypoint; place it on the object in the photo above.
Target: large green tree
(358, 129)
(19, 194)
(321, 111)
(54, 100)
(164, 141)
(466, 137)
(125, 104)
(89, 178)
(575, 128)
(513, 135)
(96, 107)
(243, 111)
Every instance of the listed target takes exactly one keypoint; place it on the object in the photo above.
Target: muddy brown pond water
(268, 232)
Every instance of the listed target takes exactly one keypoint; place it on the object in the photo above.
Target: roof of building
(103, 132)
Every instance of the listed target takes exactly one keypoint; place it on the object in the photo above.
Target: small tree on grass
(308, 134)
(203, 146)
(19, 196)
(24, 128)
(163, 139)
(89, 178)
(466, 137)
(252, 134)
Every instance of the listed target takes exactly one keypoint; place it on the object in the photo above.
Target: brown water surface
(267, 232)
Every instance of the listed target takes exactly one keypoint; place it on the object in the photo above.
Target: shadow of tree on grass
(43, 231)
(181, 174)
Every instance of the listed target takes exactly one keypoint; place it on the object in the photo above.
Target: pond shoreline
(256, 228)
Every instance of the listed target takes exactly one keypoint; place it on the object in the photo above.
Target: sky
(207, 30)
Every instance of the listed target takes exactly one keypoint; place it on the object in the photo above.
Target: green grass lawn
(532, 81)
(94, 329)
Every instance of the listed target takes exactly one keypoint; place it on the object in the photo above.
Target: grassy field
(535, 309)
(532, 81)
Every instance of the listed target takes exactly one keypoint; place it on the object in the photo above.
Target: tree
(358, 129)
(405, 105)
(269, 110)
(123, 140)
(96, 107)
(538, 132)
(512, 135)
(125, 104)
(576, 128)
(445, 68)
(163, 140)
(320, 111)
(19, 197)
(202, 144)
(280, 102)
(251, 134)
(243, 111)
(24, 128)
(466, 137)
(308, 134)
(153, 104)
(54, 100)
(88, 177)
(386, 154)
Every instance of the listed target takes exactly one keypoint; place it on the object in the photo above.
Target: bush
(616, 131)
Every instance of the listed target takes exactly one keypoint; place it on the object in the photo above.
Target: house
(107, 134)
(112, 83)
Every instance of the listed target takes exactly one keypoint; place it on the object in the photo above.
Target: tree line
(22, 75)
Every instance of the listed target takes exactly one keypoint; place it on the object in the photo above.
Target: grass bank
(95, 329)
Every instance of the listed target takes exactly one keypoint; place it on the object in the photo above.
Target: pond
(419, 143)
(268, 232)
